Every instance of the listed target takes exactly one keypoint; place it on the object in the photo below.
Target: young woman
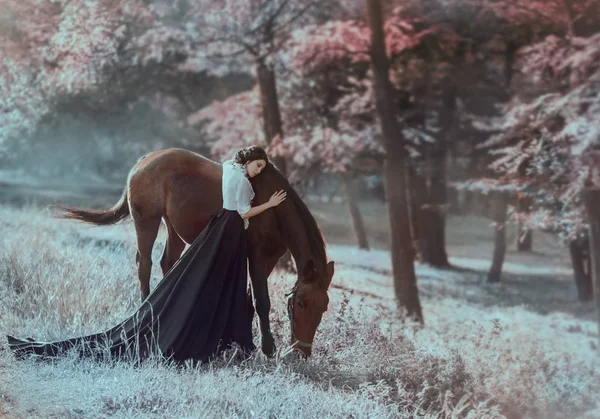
(202, 305)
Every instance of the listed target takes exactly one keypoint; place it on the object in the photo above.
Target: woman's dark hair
(248, 154)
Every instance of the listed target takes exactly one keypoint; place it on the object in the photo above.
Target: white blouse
(237, 189)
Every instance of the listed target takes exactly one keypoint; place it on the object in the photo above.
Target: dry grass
(482, 353)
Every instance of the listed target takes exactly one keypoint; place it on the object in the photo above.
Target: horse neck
(298, 242)
(300, 249)
(295, 236)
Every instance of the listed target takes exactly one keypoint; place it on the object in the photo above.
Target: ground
(522, 348)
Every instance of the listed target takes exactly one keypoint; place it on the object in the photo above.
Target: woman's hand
(277, 198)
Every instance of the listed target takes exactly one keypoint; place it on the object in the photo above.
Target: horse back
(182, 186)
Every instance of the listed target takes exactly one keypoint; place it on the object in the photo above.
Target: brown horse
(183, 189)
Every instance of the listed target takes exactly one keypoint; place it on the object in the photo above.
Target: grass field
(521, 348)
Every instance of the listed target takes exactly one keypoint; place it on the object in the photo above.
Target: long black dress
(200, 307)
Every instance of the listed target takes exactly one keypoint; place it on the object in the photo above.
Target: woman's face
(254, 167)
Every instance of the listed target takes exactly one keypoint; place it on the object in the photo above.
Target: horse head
(307, 302)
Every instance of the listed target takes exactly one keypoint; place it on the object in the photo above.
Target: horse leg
(260, 268)
(146, 231)
(173, 248)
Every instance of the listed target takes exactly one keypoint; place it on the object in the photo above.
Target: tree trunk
(509, 61)
(524, 239)
(580, 255)
(431, 225)
(357, 221)
(500, 209)
(270, 108)
(436, 254)
(395, 170)
(436, 221)
(468, 202)
(425, 218)
(592, 204)
(524, 234)
(454, 201)
(333, 192)
(414, 205)
(433, 198)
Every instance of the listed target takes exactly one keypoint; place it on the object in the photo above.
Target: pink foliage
(84, 45)
(25, 28)
(347, 41)
(243, 31)
(552, 144)
(60, 49)
(328, 149)
(570, 224)
(234, 123)
(313, 140)
(21, 106)
(546, 15)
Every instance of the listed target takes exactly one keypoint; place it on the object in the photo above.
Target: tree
(504, 28)
(592, 203)
(88, 92)
(53, 63)
(405, 281)
(549, 147)
(334, 57)
(254, 31)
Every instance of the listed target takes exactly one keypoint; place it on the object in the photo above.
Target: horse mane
(315, 237)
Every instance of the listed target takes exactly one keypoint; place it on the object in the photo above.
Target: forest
(448, 149)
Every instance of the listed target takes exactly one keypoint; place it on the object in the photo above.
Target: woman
(202, 305)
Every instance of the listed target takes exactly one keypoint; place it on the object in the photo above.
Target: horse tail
(113, 215)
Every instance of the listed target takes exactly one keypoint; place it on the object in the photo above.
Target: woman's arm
(276, 199)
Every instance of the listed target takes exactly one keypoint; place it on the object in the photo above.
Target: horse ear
(330, 269)
(308, 273)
